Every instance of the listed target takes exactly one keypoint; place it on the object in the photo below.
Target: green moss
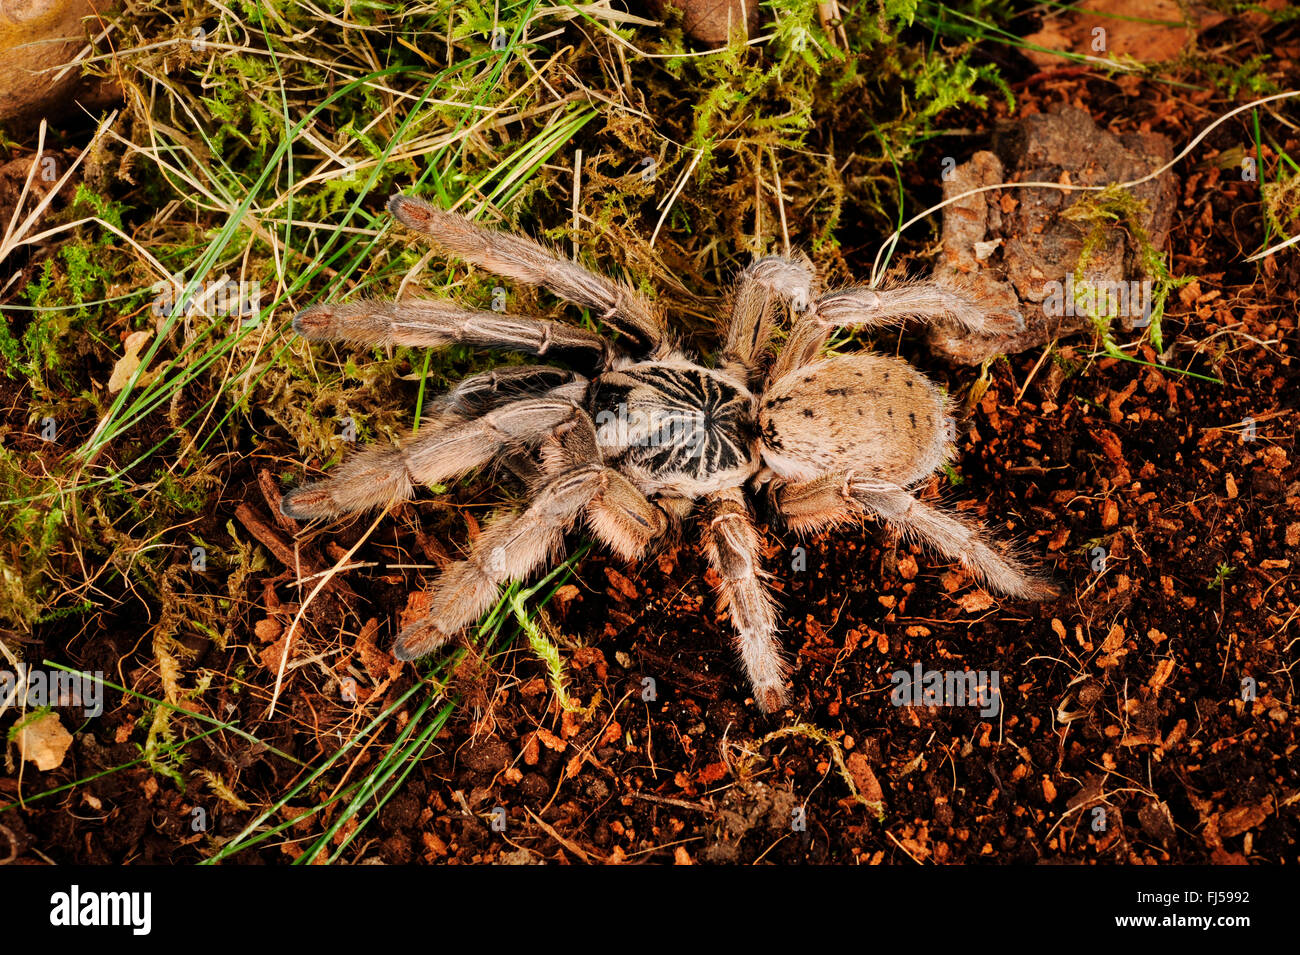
(1102, 212)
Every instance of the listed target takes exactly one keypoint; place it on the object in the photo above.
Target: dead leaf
(1164, 669)
(550, 740)
(1145, 30)
(43, 742)
(713, 773)
(622, 584)
(129, 362)
(532, 751)
(37, 37)
(713, 21)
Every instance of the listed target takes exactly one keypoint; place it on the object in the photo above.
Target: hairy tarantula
(646, 430)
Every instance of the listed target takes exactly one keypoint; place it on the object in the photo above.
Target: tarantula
(646, 430)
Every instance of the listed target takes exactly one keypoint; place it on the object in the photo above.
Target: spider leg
(677, 510)
(478, 394)
(750, 328)
(619, 515)
(522, 259)
(379, 475)
(802, 347)
(434, 323)
(928, 302)
(516, 545)
(731, 543)
(865, 308)
(487, 390)
(512, 547)
(499, 386)
(623, 519)
(839, 498)
(819, 504)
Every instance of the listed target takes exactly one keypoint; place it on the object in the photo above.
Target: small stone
(37, 37)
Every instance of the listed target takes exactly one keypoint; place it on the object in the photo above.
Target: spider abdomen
(872, 414)
(676, 428)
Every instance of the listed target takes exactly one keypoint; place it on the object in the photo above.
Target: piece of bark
(271, 493)
(18, 174)
(303, 565)
(1012, 258)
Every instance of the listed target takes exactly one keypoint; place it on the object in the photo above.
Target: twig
(288, 637)
(573, 847)
(677, 190)
(669, 801)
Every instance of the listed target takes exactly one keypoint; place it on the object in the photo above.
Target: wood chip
(864, 777)
(551, 741)
(1236, 821)
(1114, 640)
